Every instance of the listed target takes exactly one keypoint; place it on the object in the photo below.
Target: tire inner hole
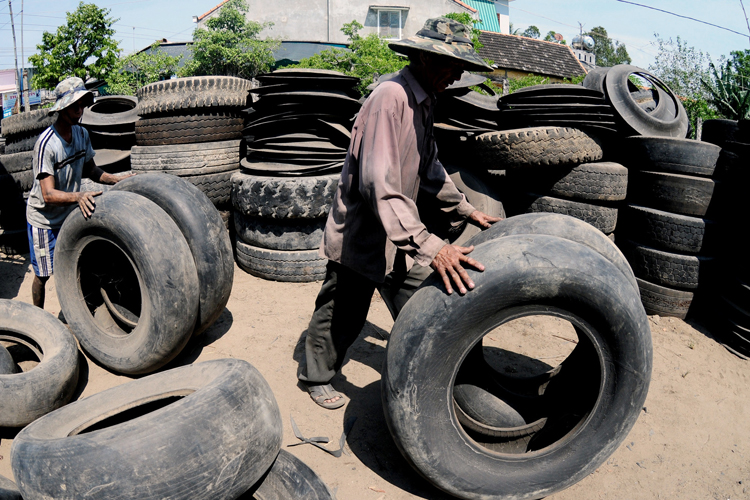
(25, 352)
(109, 107)
(109, 284)
(532, 381)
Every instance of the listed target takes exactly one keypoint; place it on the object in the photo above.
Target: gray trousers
(341, 311)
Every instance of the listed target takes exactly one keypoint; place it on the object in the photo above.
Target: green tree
(230, 45)
(532, 32)
(728, 86)
(142, 68)
(512, 30)
(465, 19)
(607, 51)
(82, 47)
(366, 58)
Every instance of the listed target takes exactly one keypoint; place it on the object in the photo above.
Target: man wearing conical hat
(374, 235)
(62, 155)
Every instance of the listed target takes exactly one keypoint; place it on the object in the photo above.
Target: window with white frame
(389, 24)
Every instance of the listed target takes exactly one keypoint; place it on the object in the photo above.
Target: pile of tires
(670, 226)
(298, 131)
(192, 128)
(110, 122)
(475, 432)
(152, 266)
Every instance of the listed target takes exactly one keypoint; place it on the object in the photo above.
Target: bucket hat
(445, 37)
(69, 91)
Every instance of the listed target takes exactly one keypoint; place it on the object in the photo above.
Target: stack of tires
(192, 128)
(110, 122)
(297, 135)
(16, 176)
(670, 228)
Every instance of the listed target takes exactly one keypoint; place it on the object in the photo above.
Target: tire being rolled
(204, 231)
(28, 395)
(205, 431)
(524, 275)
(144, 238)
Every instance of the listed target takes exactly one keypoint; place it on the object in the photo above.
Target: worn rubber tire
(204, 230)
(7, 365)
(208, 126)
(226, 421)
(676, 193)
(600, 181)
(169, 287)
(561, 226)
(295, 266)
(112, 140)
(718, 132)
(280, 234)
(111, 112)
(25, 123)
(664, 301)
(668, 231)
(595, 78)
(678, 156)
(17, 162)
(283, 197)
(28, 395)
(9, 490)
(537, 146)
(669, 269)
(21, 144)
(193, 92)
(217, 187)
(290, 478)
(187, 159)
(523, 275)
(601, 217)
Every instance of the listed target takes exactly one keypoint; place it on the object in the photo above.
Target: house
(518, 56)
(321, 20)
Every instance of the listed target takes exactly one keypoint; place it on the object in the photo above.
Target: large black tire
(601, 181)
(679, 156)
(208, 126)
(283, 197)
(676, 193)
(203, 431)
(204, 231)
(25, 123)
(15, 163)
(28, 395)
(601, 217)
(187, 159)
(291, 478)
(720, 131)
(279, 265)
(537, 146)
(669, 269)
(112, 140)
(193, 92)
(668, 231)
(561, 226)
(20, 143)
(280, 234)
(524, 275)
(216, 187)
(135, 252)
(9, 490)
(641, 122)
(664, 301)
(111, 112)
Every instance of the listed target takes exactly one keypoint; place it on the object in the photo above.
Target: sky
(143, 21)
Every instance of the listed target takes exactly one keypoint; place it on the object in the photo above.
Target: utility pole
(25, 79)
(15, 54)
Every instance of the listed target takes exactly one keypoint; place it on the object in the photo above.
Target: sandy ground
(691, 441)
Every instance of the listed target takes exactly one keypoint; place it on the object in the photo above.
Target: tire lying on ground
(275, 234)
(24, 123)
(111, 113)
(8, 490)
(524, 276)
(28, 395)
(127, 283)
(678, 156)
(601, 217)
(204, 231)
(193, 92)
(290, 478)
(664, 301)
(203, 431)
(279, 265)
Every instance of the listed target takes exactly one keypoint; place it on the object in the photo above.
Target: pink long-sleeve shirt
(392, 153)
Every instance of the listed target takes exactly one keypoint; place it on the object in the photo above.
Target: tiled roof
(212, 10)
(465, 6)
(527, 54)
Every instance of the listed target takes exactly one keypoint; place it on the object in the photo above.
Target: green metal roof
(487, 13)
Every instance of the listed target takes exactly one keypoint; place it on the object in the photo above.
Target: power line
(744, 12)
(684, 17)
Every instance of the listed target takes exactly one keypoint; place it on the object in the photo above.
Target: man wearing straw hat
(62, 156)
(374, 235)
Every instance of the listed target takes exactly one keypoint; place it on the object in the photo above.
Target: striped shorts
(42, 246)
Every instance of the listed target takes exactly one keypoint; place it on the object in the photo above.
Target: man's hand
(483, 220)
(86, 202)
(448, 263)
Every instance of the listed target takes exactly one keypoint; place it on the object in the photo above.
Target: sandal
(319, 394)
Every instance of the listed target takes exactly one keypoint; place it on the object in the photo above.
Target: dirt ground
(691, 441)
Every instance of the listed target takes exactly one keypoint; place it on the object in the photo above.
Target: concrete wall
(308, 20)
